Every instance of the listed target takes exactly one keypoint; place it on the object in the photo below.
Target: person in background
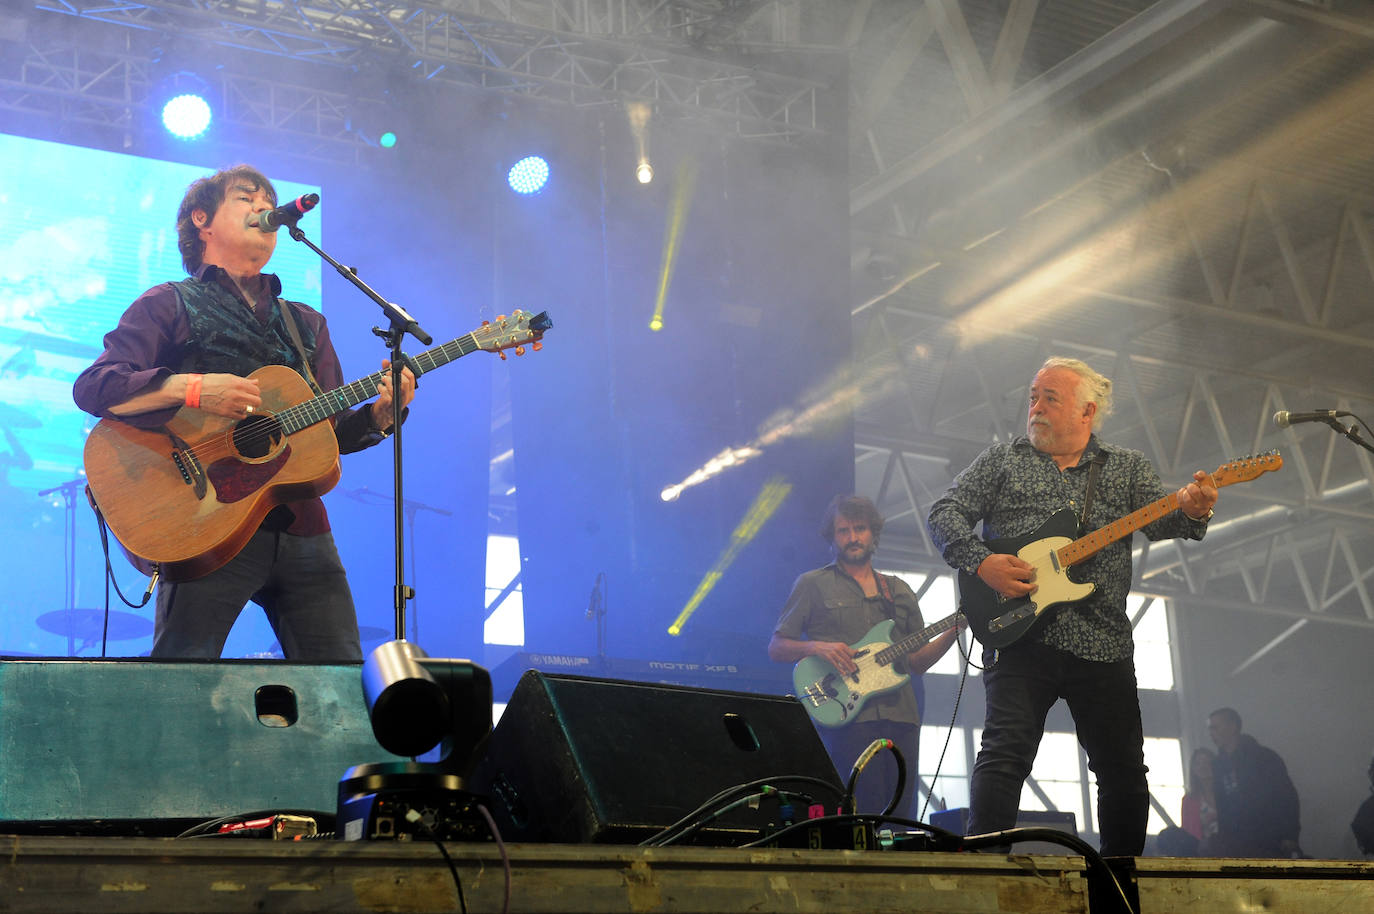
(1200, 801)
(1363, 825)
(1257, 804)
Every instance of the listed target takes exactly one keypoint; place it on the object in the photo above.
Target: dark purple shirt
(140, 351)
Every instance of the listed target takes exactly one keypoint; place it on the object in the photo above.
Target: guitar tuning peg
(486, 323)
(502, 354)
(500, 318)
(519, 350)
(536, 345)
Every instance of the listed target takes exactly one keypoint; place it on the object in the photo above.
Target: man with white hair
(1080, 651)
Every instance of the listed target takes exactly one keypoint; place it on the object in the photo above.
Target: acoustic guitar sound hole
(256, 436)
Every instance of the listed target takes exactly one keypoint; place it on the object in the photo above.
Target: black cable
(415, 818)
(701, 817)
(1052, 836)
(949, 733)
(109, 569)
(784, 797)
(862, 762)
(968, 657)
(665, 835)
(951, 841)
(948, 840)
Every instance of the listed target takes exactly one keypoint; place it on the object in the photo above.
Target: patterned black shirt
(1014, 488)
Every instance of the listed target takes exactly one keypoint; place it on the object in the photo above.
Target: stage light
(677, 218)
(639, 114)
(529, 175)
(186, 116)
(769, 499)
(387, 140)
(186, 107)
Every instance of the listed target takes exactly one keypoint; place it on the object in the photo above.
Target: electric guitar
(998, 621)
(833, 698)
(190, 494)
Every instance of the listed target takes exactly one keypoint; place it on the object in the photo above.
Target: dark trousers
(297, 580)
(1022, 685)
(878, 782)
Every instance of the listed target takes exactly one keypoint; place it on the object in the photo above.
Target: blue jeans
(297, 580)
(1022, 685)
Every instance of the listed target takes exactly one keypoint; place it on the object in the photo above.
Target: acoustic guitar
(188, 495)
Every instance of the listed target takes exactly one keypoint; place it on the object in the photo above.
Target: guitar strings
(231, 441)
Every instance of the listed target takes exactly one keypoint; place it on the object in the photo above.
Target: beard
(1040, 434)
(857, 554)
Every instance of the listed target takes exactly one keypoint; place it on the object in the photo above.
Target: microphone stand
(1352, 432)
(597, 609)
(401, 324)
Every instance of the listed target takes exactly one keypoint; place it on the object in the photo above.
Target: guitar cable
(109, 569)
(953, 717)
(847, 801)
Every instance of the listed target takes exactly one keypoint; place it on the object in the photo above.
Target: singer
(189, 344)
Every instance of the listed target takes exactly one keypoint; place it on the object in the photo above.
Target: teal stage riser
(176, 740)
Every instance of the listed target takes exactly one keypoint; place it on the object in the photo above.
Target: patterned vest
(227, 337)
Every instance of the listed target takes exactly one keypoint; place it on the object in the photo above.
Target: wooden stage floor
(151, 875)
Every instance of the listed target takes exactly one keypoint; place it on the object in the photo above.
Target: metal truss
(577, 53)
(1310, 526)
(112, 92)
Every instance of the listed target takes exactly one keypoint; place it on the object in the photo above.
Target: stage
(48, 875)
(101, 762)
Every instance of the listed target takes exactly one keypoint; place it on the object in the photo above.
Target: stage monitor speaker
(956, 820)
(158, 740)
(575, 759)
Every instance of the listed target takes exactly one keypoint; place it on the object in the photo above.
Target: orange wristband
(193, 390)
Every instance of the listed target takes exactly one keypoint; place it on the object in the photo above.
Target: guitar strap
(289, 320)
(1098, 459)
(889, 604)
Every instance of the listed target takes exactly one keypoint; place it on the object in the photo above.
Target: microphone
(1283, 418)
(287, 214)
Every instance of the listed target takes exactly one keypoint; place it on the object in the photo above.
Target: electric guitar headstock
(513, 332)
(1244, 469)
